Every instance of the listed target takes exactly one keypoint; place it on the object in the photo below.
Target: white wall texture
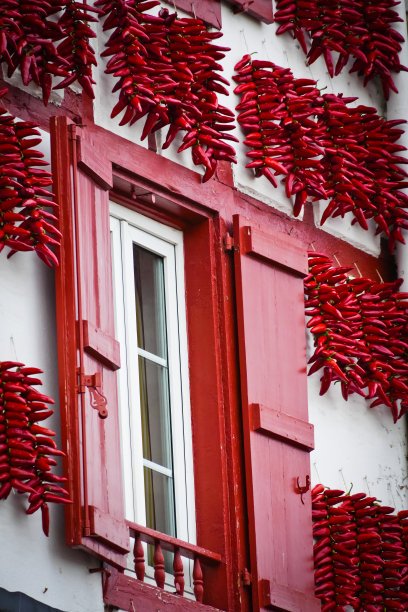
(355, 446)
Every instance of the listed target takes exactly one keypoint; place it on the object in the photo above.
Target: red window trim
(200, 246)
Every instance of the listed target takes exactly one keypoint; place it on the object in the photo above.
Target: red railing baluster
(198, 580)
(178, 572)
(138, 555)
(158, 563)
(181, 551)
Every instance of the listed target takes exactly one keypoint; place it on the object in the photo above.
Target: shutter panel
(260, 9)
(207, 10)
(277, 436)
(87, 350)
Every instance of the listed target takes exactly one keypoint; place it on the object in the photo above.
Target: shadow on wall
(18, 602)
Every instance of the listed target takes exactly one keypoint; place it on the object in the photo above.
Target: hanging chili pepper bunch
(360, 331)
(25, 221)
(360, 556)
(324, 147)
(356, 29)
(277, 113)
(361, 169)
(27, 450)
(75, 50)
(29, 38)
(168, 72)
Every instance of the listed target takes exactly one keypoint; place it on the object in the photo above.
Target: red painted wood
(158, 563)
(66, 324)
(124, 592)
(93, 473)
(276, 248)
(191, 551)
(260, 9)
(178, 571)
(107, 528)
(138, 556)
(207, 10)
(278, 424)
(272, 357)
(102, 346)
(198, 580)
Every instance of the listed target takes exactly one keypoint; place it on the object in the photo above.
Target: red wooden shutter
(207, 10)
(261, 9)
(277, 436)
(87, 350)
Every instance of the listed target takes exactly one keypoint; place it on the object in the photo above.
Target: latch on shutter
(94, 383)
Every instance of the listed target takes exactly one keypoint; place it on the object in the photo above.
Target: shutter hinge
(229, 243)
(94, 384)
(246, 577)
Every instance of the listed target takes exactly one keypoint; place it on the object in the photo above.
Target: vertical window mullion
(135, 421)
(119, 306)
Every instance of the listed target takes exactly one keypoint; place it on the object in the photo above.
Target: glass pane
(150, 303)
(155, 408)
(159, 495)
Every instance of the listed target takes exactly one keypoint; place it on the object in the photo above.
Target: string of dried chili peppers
(168, 71)
(27, 450)
(276, 110)
(324, 147)
(360, 334)
(29, 39)
(25, 221)
(75, 49)
(356, 29)
(359, 552)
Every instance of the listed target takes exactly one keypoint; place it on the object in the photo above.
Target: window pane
(150, 304)
(155, 409)
(159, 495)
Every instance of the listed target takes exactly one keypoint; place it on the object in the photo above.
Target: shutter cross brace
(94, 384)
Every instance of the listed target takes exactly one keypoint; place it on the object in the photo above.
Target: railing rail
(179, 548)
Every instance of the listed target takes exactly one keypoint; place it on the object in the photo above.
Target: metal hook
(301, 490)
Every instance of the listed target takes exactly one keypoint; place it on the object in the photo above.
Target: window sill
(128, 593)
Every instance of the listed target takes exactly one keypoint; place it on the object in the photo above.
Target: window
(148, 277)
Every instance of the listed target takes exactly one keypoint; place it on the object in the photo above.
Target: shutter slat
(277, 248)
(277, 424)
(102, 346)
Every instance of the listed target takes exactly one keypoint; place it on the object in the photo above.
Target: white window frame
(128, 227)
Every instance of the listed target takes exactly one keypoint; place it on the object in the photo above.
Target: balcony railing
(180, 549)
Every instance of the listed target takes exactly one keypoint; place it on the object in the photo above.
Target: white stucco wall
(354, 445)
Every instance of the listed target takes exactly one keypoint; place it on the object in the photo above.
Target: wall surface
(355, 446)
